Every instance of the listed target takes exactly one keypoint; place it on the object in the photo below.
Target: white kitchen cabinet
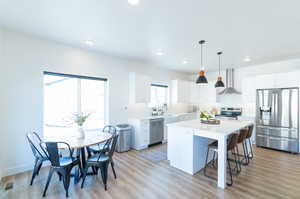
(203, 94)
(139, 88)
(265, 81)
(249, 90)
(180, 91)
(285, 80)
(141, 131)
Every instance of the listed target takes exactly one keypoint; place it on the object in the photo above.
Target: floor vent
(9, 186)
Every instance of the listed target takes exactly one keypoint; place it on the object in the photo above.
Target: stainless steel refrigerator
(277, 119)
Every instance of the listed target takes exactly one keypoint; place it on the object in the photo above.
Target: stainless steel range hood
(229, 83)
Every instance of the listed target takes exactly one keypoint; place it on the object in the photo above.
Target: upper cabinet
(189, 92)
(203, 94)
(180, 91)
(284, 80)
(139, 88)
(278, 80)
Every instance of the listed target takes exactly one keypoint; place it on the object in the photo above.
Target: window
(65, 95)
(159, 95)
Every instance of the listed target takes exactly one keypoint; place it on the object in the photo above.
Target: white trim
(20, 169)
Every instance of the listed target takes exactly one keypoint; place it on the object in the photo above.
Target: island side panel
(200, 150)
(180, 148)
(186, 151)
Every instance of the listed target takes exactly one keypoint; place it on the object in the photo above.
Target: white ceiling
(265, 30)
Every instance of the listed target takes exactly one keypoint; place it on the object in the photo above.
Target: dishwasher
(156, 131)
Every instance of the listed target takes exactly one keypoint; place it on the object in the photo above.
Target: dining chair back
(53, 153)
(113, 145)
(109, 129)
(34, 142)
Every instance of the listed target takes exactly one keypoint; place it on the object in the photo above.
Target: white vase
(80, 132)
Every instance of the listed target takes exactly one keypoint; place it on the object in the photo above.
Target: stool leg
(238, 158)
(206, 159)
(245, 154)
(230, 172)
(251, 151)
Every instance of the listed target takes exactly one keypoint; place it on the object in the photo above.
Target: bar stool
(231, 145)
(248, 137)
(241, 140)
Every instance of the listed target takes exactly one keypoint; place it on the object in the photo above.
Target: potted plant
(80, 119)
(204, 115)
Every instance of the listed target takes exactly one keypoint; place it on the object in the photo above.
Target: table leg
(222, 161)
(78, 173)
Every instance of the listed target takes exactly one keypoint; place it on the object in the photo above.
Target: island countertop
(188, 141)
(226, 127)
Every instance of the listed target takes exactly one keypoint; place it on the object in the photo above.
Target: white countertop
(226, 127)
(167, 115)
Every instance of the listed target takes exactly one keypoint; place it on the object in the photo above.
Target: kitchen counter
(141, 134)
(188, 141)
(165, 116)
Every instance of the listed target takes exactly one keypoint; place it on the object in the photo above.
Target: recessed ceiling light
(89, 42)
(247, 59)
(185, 61)
(133, 2)
(160, 53)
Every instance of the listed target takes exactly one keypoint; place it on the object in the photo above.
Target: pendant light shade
(201, 78)
(219, 82)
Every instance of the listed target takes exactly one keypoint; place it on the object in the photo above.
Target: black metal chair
(101, 147)
(102, 160)
(34, 142)
(231, 145)
(59, 163)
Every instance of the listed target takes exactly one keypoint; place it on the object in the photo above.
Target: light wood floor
(271, 174)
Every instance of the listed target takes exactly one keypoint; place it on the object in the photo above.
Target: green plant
(80, 118)
(205, 115)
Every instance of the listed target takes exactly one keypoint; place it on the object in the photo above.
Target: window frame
(79, 91)
(167, 92)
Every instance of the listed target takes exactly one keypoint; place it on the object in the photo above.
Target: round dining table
(80, 145)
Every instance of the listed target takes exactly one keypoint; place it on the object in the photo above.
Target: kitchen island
(188, 140)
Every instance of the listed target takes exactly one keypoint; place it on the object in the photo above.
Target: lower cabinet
(140, 135)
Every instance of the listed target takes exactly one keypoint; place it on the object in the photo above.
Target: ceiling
(265, 30)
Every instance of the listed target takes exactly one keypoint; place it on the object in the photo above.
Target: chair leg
(103, 168)
(230, 172)
(113, 168)
(85, 170)
(66, 180)
(34, 172)
(48, 181)
(40, 163)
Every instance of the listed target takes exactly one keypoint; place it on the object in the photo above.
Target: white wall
(1, 104)
(21, 87)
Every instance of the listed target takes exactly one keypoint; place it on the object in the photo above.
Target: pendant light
(219, 82)
(201, 78)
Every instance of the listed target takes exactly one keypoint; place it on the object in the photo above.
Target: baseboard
(19, 169)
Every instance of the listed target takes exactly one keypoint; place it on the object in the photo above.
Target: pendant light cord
(219, 53)
(201, 43)
(201, 56)
(219, 65)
